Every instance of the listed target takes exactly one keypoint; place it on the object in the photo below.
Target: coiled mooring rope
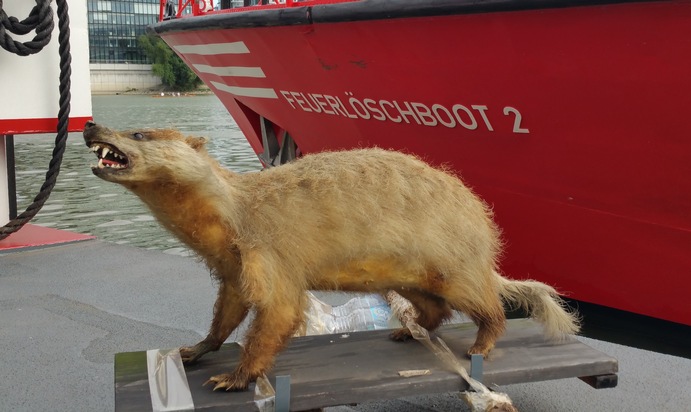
(41, 20)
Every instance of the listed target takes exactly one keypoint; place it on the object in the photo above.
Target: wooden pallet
(357, 367)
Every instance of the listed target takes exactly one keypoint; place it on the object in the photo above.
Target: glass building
(114, 26)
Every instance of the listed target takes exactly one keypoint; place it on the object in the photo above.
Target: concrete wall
(114, 78)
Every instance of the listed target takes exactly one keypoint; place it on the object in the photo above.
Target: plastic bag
(366, 312)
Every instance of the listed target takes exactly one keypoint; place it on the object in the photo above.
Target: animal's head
(145, 156)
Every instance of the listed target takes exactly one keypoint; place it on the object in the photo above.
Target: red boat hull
(571, 122)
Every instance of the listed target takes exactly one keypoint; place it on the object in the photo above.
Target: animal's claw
(400, 335)
(228, 382)
(191, 354)
(476, 349)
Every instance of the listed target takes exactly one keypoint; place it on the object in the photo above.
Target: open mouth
(109, 157)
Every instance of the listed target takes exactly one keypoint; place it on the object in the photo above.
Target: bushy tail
(542, 302)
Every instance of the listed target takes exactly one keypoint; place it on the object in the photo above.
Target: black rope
(38, 18)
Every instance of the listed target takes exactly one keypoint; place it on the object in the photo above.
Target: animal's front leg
(229, 311)
(270, 331)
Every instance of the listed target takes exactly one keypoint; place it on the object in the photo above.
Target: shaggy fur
(365, 220)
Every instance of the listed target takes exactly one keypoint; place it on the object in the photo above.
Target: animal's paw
(191, 354)
(400, 335)
(479, 350)
(188, 354)
(236, 381)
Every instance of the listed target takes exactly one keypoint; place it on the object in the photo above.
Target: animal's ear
(196, 143)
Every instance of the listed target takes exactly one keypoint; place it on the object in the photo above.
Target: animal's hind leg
(490, 327)
(490, 319)
(230, 310)
(432, 312)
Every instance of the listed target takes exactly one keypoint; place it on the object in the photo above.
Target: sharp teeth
(95, 148)
(105, 152)
(100, 163)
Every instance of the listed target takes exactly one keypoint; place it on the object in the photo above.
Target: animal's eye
(138, 136)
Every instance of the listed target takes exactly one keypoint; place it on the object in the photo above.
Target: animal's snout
(91, 129)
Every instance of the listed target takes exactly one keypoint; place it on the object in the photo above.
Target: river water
(83, 203)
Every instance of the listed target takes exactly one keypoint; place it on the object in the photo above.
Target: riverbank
(159, 91)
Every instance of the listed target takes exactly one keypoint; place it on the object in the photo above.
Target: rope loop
(42, 19)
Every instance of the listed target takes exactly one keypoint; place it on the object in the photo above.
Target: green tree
(167, 65)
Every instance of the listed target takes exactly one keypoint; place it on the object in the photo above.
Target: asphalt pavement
(66, 310)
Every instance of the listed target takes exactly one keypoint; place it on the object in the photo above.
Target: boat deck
(31, 236)
(341, 369)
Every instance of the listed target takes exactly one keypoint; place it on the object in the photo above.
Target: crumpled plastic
(366, 312)
(264, 395)
(167, 381)
(481, 399)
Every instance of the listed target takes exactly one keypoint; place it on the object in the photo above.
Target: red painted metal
(48, 125)
(570, 122)
(34, 236)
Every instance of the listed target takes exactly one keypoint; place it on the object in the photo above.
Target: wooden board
(357, 367)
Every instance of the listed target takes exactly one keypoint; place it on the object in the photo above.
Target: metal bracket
(275, 153)
(601, 381)
(476, 367)
(282, 393)
(269, 142)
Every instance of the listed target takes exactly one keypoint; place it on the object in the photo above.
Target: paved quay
(66, 310)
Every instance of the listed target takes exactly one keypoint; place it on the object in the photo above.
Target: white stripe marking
(237, 47)
(234, 71)
(246, 91)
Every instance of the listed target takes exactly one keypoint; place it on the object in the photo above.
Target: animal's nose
(89, 123)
